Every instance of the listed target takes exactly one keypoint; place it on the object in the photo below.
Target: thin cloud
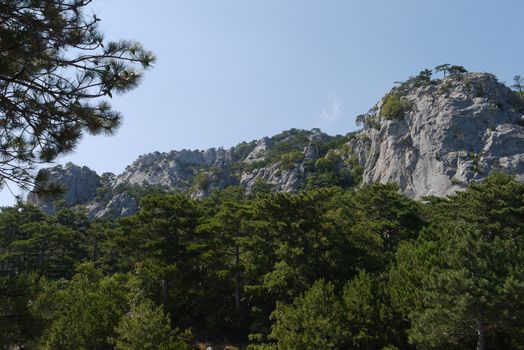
(331, 112)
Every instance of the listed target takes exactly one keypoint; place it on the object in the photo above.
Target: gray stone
(120, 205)
(258, 153)
(456, 131)
(447, 139)
(79, 186)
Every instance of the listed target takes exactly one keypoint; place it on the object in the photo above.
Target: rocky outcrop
(78, 186)
(257, 154)
(431, 137)
(122, 204)
(452, 132)
(171, 170)
(291, 180)
(194, 171)
(84, 189)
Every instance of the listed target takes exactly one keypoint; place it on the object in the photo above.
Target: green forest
(362, 268)
(331, 263)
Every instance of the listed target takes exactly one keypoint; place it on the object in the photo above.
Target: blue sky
(235, 70)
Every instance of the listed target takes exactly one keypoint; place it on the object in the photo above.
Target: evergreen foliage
(54, 84)
(147, 327)
(312, 321)
(326, 268)
(364, 268)
(393, 107)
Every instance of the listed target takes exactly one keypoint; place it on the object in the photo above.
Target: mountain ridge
(430, 136)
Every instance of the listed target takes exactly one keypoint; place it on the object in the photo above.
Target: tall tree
(461, 281)
(147, 327)
(443, 68)
(452, 70)
(163, 233)
(227, 229)
(424, 77)
(82, 313)
(313, 321)
(370, 319)
(55, 70)
(33, 242)
(19, 323)
(383, 218)
(518, 83)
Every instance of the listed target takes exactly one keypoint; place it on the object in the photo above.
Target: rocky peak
(437, 137)
(431, 136)
(257, 154)
(79, 185)
(172, 169)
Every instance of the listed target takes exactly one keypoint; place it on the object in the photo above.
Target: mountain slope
(431, 136)
(448, 133)
(286, 162)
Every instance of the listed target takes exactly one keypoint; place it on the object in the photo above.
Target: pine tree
(461, 281)
(82, 313)
(518, 83)
(369, 318)
(162, 233)
(227, 230)
(19, 323)
(147, 327)
(55, 70)
(443, 68)
(312, 321)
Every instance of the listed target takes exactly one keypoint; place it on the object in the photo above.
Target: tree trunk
(237, 280)
(165, 293)
(41, 256)
(481, 340)
(95, 250)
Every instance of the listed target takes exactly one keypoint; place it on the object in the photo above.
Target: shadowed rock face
(450, 132)
(454, 131)
(79, 185)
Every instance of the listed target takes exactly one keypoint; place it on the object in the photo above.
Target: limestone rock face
(79, 185)
(84, 189)
(291, 180)
(257, 154)
(121, 204)
(454, 131)
(173, 169)
(448, 133)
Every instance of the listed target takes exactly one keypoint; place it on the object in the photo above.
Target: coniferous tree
(19, 323)
(383, 218)
(83, 312)
(461, 281)
(518, 83)
(313, 321)
(443, 68)
(163, 234)
(370, 320)
(455, 69)
(226, 231)
(147, 327)
(55, 70)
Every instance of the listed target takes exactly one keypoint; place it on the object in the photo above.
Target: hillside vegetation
(364, 268)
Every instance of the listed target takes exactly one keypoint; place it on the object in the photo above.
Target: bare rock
(455, 131)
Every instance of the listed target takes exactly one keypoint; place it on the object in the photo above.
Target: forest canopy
(364, 268)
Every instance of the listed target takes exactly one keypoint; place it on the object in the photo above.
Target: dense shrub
(393, 107)
(288, 160)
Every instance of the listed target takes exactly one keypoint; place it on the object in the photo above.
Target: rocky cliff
(443, 134)
(431, 136)
(284, 162)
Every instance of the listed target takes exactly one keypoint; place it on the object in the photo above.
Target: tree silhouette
(55, 70)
